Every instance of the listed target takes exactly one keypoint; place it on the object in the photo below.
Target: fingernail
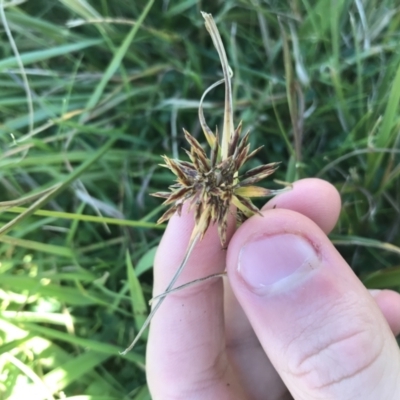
(267, 260)
(374, 292)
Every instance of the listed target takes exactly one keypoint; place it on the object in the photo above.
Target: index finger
(186, 347)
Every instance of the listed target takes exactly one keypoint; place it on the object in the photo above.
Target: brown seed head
(212, 185)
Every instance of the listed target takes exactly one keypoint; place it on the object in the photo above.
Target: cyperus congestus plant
(212, 185)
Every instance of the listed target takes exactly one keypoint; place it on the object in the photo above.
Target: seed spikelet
(212, 184)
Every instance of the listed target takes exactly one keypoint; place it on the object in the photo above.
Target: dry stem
(189, 250)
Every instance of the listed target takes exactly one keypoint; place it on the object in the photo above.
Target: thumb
(318, 324)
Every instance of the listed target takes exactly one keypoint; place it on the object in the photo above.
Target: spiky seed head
(212, 185)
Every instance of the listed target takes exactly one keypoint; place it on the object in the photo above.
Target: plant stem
(228, 128)
(189, 250)
(186, 285)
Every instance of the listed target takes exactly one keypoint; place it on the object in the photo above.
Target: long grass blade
(87, 218)
(48, 196)
(117, 59)
(41, 55)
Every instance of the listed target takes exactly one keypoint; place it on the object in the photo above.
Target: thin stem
(187, 285)
(31, 115)
(189, 250)
(228, 128)
(206, 129)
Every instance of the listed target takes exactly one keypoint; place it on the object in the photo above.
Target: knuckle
(192, 384)
(336, 351)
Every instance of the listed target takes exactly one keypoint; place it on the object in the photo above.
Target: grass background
(92, 92)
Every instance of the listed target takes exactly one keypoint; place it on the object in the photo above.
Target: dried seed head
(212, 187)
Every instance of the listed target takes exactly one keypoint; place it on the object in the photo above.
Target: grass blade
(41, 55)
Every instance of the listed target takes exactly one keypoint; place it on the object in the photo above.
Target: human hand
(294, 317)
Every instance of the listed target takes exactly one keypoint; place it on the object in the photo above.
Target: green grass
(92, 92)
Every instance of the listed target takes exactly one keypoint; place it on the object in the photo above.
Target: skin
(291, 320)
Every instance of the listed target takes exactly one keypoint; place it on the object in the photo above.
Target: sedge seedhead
(212, 185)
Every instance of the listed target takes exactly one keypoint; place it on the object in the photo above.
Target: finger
(315, 198)
(318, 324)
(258, 376)
(319, 201)
(185, 352)
(389, 303)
